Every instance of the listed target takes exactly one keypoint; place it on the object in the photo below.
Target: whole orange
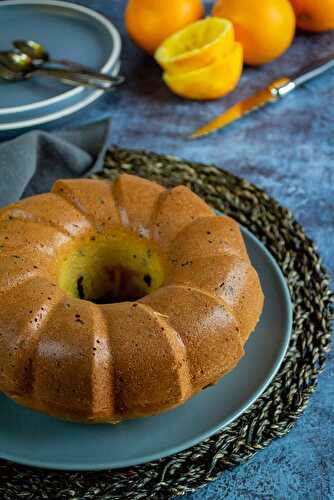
(313, 15)
(265, 28)
(149, 22)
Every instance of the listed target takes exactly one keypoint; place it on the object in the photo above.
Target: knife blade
(271, 94)
(237, 111)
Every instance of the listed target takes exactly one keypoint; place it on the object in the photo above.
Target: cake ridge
(155, 364)
(208, 235)
(218, 300)
(65, 359)
(75, 205)
(188, 207)
(71, 190)
(43, 320)
(168, 329)
(102, 345)
(123, 216)
(141, 200)
(193, 314)
(227, 276)
(16, 278)
(24, 215)
(27, 340)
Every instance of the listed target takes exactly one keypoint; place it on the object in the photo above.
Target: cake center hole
(106, 268)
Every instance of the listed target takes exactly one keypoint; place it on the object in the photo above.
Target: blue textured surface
(288, 149)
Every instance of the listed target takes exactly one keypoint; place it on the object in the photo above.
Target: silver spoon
(6, 74)
(15, 76)
(21, 65)
(39, 55)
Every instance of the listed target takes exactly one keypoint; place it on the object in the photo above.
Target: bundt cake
(120, 300)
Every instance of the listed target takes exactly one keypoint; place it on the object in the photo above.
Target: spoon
(22, 66)
(39, 55)
(6, 74)
(15, 76)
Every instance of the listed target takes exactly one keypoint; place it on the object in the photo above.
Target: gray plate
(10, 124)
(68, 31)
(34, 439)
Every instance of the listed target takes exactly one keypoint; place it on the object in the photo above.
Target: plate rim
(108, 65)
(57, 115)
(213, 430)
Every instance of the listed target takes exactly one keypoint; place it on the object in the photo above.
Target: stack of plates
(67, 31)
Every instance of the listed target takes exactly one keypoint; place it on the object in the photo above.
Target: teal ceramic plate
(68, 31)
(31, 438)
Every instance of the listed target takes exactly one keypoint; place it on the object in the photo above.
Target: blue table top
(287, 149)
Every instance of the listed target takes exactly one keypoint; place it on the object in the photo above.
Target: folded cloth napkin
(30, 163)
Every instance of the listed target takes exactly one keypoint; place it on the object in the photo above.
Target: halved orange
(197, 45)
(210, 82)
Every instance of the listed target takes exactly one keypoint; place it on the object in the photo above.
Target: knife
(273, 93)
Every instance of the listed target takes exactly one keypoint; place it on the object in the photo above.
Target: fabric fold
(30, 163)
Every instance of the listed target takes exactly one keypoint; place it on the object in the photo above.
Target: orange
(314, 15)
(202, 61)
(149, 22)
(265, 28)
(211, 81)
(196, 45)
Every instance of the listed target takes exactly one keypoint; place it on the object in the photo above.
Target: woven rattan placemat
(275, 412)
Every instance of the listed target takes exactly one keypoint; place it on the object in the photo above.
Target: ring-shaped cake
(120, 300)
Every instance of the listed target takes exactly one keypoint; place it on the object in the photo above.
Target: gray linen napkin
(30, 163)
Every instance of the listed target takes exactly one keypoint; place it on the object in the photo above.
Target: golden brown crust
(85, 362)
(207, 236)
(174, 210)
(73, 362)
(207, 328)
(18, 265)
(24, 309)
(136, 198)
(150, 363)
(50, 211)
(227, 277)
(94, 199)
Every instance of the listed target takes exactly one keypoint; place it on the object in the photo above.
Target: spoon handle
(70, 65)
(78, 78)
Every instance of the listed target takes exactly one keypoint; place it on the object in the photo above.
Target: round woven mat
(275, 412)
